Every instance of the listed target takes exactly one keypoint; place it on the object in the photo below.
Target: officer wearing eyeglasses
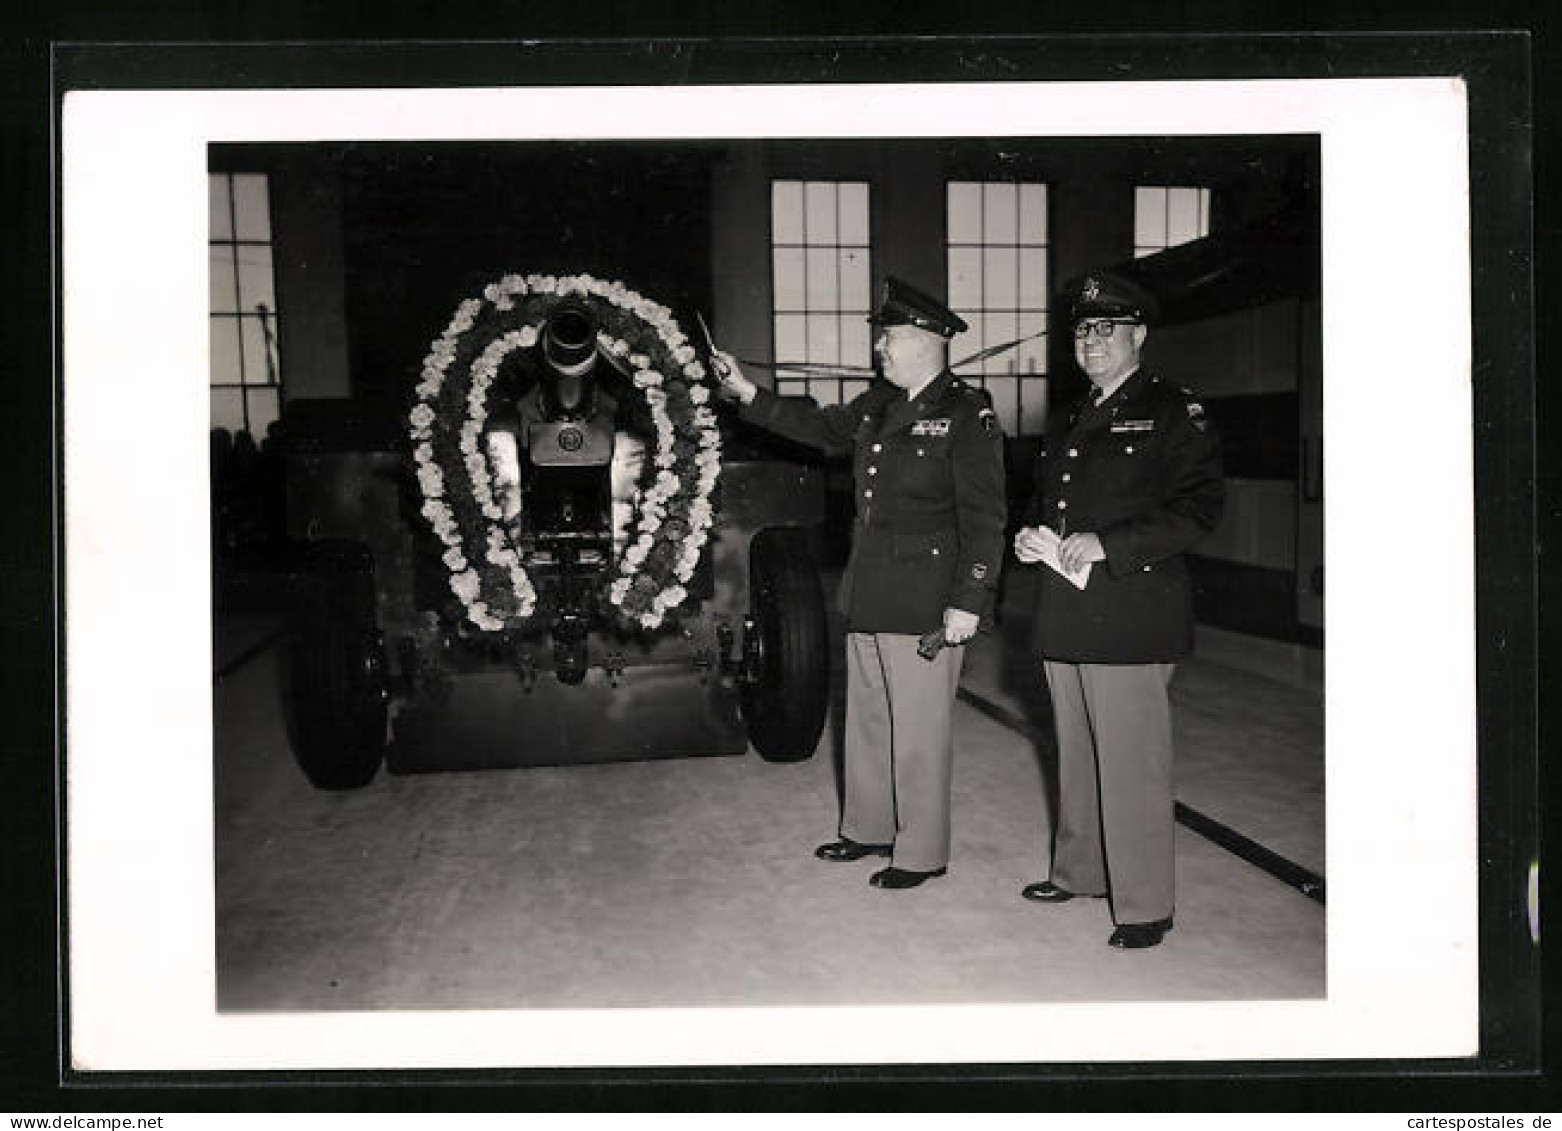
(1126, 483)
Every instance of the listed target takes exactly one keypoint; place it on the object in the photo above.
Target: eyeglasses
(1100, 327)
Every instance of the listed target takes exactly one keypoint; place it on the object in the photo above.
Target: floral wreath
(673, 515)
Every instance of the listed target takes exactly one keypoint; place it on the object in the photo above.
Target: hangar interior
(691, 881)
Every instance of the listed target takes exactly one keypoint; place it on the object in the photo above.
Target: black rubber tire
(784, 710)
(335, 669)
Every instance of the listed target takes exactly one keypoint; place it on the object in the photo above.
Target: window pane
(786, 211)
(1000, 328)
(1006, 402)
(1000, 213)
(824, 338)
(854, 213)
(825, 390)
(252, 210)
(851, 389)
(791, 338)
(823, 292)
(790, 294)
(1031, 356)
(1182, 222)
(791, 386)
(263, 410)
(217, 195)
(1149, 217)
(1033, 213)
(1033, 406)
(224, 299)
(1000, 277)
(255, 278)
(856, 285)
(1033, 278)
(260, 354)
(819, 211)
(965, 278)
(856, 340)
(965, 212)
(228, 409)
(225, 351)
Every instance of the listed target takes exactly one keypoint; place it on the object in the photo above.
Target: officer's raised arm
(734, 383)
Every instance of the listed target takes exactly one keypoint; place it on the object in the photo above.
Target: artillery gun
(385, 665)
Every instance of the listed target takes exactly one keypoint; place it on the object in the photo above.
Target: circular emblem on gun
(571, 439)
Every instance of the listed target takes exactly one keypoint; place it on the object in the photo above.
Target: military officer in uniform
(927, 456)
(1126, 483)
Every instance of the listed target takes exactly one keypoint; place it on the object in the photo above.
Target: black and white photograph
(793, 575)
(603, 861)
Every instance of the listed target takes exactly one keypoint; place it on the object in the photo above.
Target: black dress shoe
(898, 878)
(1137, 936)
(848, 849)
(1049, 892)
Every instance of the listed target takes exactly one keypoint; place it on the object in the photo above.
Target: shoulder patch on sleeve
(1196, 415)
(982, 401)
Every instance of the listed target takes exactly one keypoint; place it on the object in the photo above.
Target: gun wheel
(784, 706)
(335, 675)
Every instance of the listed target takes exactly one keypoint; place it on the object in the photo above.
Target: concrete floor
(691, 882)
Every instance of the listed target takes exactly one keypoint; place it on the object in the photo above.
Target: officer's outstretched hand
(733, 384)
(959, 626)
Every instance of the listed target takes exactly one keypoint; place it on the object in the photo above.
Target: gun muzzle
(569, 339)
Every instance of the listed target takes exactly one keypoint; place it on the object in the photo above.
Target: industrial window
(821, 285)
(1165, 217)
(997, 247)
(245, 374)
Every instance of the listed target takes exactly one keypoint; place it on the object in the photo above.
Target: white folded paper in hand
(1050, 541)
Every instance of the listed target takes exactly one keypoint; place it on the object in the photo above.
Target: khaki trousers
(899, 746)
(1113, 832)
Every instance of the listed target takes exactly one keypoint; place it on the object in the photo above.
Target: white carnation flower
(466, 585)
(431, 481)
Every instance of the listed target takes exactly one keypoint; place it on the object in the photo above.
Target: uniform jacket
(929, 489)
(1142, 472)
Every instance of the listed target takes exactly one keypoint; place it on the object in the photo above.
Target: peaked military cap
(1102, 294)
(904, 305)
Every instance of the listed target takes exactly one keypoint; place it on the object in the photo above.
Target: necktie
(1097, 395)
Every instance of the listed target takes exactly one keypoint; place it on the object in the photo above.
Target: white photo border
(1401, 681)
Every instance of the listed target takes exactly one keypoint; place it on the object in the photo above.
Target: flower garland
(673, 515)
